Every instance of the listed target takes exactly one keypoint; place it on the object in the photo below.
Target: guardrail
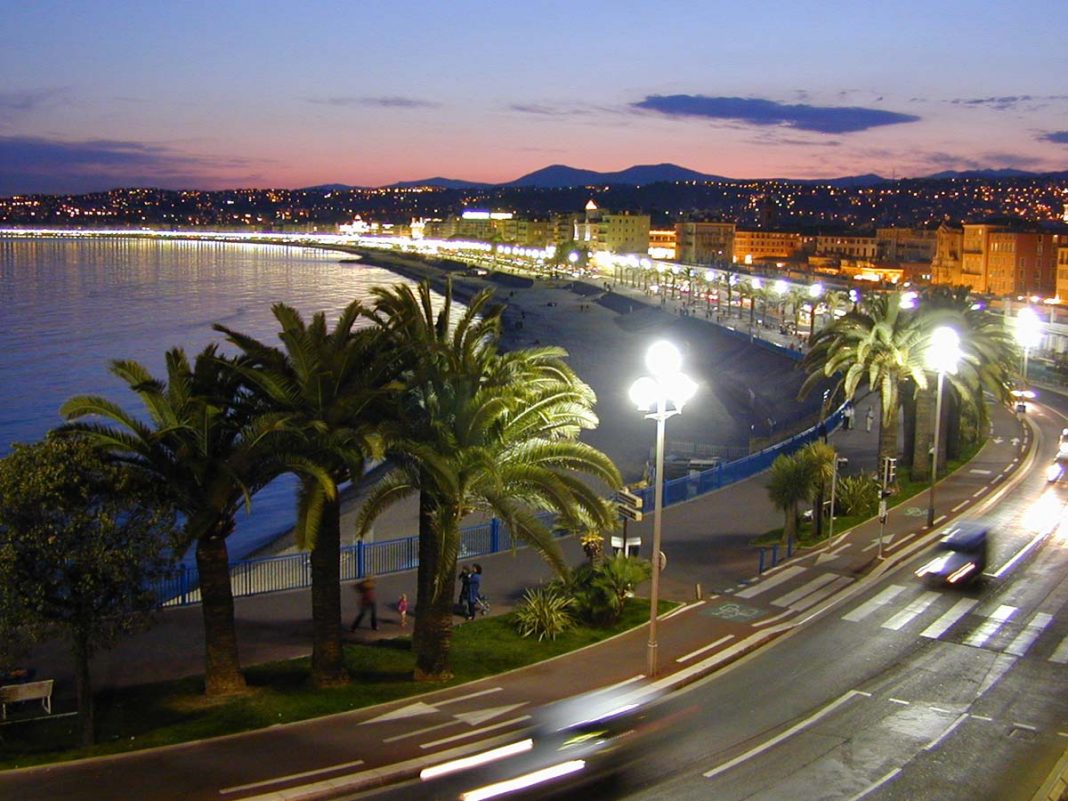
(293, 571)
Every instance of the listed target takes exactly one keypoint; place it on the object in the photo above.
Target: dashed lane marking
(772, 582)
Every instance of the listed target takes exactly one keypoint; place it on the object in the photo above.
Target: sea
(69, 306)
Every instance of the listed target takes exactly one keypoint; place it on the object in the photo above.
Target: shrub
(543, 612)
(857, 495)
(600, 591)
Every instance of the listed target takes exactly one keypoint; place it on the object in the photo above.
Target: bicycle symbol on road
(915, 511)
(733, 611)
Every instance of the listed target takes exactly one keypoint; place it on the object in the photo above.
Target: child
(402, 607)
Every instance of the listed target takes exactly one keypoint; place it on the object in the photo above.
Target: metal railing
(293, 571)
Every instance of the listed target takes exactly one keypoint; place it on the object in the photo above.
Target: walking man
(366, 591)
(869, 418)
(474, 587)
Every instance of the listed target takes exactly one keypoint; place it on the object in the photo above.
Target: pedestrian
(402, 609)
(849, 417)
(474, 587)
(366, 590)
(465, 584)
(869, 418)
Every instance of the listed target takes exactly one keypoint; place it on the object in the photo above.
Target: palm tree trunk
(83, 687)
(222, 667)
(888, 432)
(921, 455)
(432, 634)
(327, 664)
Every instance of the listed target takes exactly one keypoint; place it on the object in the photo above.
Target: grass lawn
(175, 712)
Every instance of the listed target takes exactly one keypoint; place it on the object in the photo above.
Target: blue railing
(293, 571)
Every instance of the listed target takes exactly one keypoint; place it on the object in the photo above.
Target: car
(1057, 469)
(961, 554)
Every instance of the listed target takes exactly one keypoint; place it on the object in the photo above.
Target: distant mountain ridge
(562, 176)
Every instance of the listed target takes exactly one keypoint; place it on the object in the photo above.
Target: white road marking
(960, 506)
(469, 695)
(994, 622)
(938, 520)
(819, 595)
(475, 732)
(949, 730)
(877, 785)
(1026, 638)
(1060, 656)
(477, 716)
(774, 581)
(979, 472)
(899, 701)
(1020, 554)
(770, 620)
(708, 647)
(1024, 726)
(409, 711)
(419, 732)
(912, 611)
(880, 600)
(680, 609)
(790, 732)
(942, 625)
(979, 492)
(625, 682)
(875, 543)
(290, 777)
(805, 589)
(1002, 664)
(982, 717)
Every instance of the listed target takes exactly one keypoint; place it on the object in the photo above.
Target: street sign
(629, 505)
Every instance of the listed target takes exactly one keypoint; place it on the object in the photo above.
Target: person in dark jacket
(465, 584)
(366, 591)
(474, 587)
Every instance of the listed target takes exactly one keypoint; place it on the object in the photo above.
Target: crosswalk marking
(774, 581)
(942, 625)
(819, 595)
(1026, 638)
(911, 612)
(801, 592)
(988, 629)
(882, 599)
(1060, 656)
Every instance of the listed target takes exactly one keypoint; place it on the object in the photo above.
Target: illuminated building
(753, 246)
(1009, 258)
(704, 242)
(603, 231)
(945, 264)
(1062, 272)
(662, 244)
(906, 244)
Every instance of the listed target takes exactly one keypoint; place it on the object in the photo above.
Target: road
(905, 691)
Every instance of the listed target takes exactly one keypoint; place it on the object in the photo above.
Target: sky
(98, 94)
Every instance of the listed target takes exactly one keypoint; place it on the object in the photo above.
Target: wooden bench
(30, 691)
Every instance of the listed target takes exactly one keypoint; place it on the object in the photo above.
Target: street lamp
(1028, 333)
(666, 391)
(943, 354)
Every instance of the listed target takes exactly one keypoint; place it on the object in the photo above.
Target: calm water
(68, 307)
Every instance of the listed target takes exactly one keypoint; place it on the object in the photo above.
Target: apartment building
(1010, 258)
(704, 242)
(756, 245)
(906, 244)
(602, 231)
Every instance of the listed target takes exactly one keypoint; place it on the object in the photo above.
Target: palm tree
(880, 343)
(789, 485)
(326, 383)
(210, 452)
(988, 361)
(481, 430)
(819, 458)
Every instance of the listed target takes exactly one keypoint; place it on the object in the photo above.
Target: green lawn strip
(906, 489)
(174, 712)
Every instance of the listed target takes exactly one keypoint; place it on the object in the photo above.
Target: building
(751, 246)
(945, 263)
(848, 246)
(662, 244)
(1010, 258)
(1062, 272)
(704, 242)
(603, 231)
(906, 244)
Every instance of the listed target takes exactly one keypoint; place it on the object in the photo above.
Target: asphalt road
(904, 691)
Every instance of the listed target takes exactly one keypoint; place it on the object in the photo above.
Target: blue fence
(293, 571)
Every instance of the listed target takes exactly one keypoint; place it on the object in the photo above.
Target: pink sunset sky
(209, 95)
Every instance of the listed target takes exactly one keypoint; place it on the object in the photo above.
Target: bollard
(697, 594)
(760, 567)
(774, 555)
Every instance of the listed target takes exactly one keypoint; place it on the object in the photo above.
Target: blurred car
(583, 739)
(961, 554)
(1058, 468)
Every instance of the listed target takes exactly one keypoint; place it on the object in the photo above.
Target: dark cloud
(754, 111)
(27, 101)
(542, 110)
(1059, 137)
(380, 102)
(1007, 102)
(34, 164)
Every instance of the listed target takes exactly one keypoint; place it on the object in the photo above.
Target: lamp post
(666, 391)
(839, 461)
(943, 354)
(1028, 333)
